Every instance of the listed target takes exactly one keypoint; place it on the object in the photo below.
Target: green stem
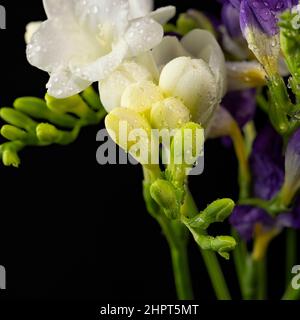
(291, 250)
(291, 294)
(211, 261)
(261, 279)
(178, 248)
(239, 255)
(176, 237)
(181, 273)
(216, 275)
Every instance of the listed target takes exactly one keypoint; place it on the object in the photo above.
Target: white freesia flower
(112, 88)
(193, 70)
(85, 40)
(31, 28)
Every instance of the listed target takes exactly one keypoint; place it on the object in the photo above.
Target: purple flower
(231, 20)
(290, 219)
(267, 164)
(292, 168)
(261, 14)
(241, 105)
(259, 24)
(244, 219)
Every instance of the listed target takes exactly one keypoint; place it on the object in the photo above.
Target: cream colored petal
(245, 75)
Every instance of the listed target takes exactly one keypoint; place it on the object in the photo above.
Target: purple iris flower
(241, 105)
(231, 20)
(267, 164)
(260, 14)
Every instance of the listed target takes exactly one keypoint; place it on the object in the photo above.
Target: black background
(72, 229)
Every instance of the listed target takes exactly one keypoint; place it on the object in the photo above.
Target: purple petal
(267, 164)
(260, 14)
(241, 105)
(290, 219)
(231, 20)
(244, 219)
(292, 163)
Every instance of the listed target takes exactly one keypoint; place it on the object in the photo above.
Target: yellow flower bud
(141, 96)
(192, 81)
(112, 88)
(170, 113)
(131, 131)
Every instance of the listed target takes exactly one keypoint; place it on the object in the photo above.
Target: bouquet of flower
(164, 87)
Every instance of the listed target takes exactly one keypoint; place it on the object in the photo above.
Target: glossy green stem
(291, 252)
(211, 261)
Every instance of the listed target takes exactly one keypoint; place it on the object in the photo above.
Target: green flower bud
(164, 193)
(185, 24)
(18, 119)
(47, 133)
(201, 21)
(9, 153)
(74, 104)
(186, 148)
(11, 158)
(92, 98)
(217, 211)
(37, 108)
(13, 133)
(221, 244)
(170, 113)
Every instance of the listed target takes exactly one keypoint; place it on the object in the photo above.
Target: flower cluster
(199, 74)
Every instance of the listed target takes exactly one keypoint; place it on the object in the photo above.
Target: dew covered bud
(192, 81)
(112, 88)
(170, 113)
(131, 131)
(141, 96)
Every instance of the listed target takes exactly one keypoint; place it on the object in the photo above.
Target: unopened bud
(112, 88)
(193, 82)
(141, 96)
(126, 127)
(164, 193)
(170, 113)
(217, 211)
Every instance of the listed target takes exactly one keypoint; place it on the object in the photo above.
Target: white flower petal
(163, 15)
(105, 19)
(140, 8)
(143, 35)
(202, 44)
(55, 8)
(193, 82)
(59, 41)
(85, 40)
(100, 68)
(31, 28)
(169, 49)
(147, 61)
(63, 84)
(112, 88)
